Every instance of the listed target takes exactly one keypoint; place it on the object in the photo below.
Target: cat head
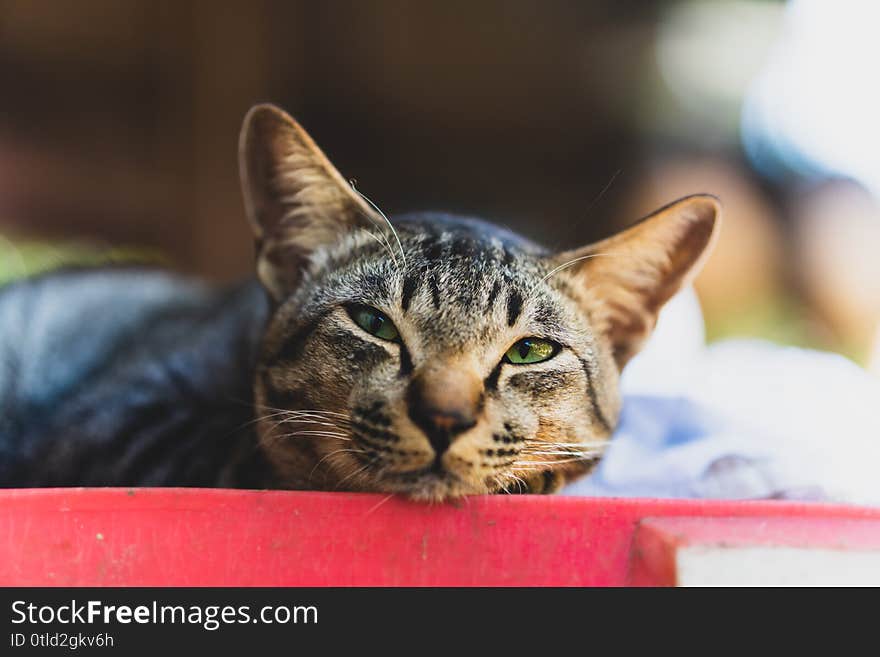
(440, 356)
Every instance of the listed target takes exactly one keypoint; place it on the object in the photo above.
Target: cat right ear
(296, 201)
(623, 281)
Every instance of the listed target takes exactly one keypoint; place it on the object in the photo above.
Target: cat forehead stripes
(459, 281)
(422, 344)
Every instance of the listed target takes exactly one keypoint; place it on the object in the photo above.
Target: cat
(436, 356)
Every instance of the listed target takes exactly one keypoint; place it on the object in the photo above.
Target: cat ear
(296, 201)
(623, 281)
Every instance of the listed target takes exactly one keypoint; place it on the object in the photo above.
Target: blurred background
(564, 120)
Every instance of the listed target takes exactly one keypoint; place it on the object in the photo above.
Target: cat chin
(432, 488)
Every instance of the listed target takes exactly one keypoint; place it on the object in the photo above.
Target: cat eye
(531, 350)
(374, 322)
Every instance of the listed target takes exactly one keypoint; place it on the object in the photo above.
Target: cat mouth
(433, 472)
(432, 483)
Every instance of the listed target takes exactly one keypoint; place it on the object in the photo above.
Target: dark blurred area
(120, 118)
(563, 120)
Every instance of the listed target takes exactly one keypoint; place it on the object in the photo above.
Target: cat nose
(444, 404)
(442, 428)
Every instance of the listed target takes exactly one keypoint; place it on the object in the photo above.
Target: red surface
(190, 537)
(658, 539)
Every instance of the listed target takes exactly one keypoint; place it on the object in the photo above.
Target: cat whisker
(379, 241)
(500, 483)
(317, 411)
(278, 423)
(520, 483)
(292, 416)
(342, 416)
(604, 190)
(380, 503)
(307, 417)
(505, 486)
(564, 448)
(352, 474)
(565, 452)
(268, 440)
(333, 453)
(562, 453)
(328, 434)
(541, 444)
(525, 465)
(305, 411)
(554, 458)
(574, 261)
(258, 418)
(308, 421)
(382, 214)
(384, 241)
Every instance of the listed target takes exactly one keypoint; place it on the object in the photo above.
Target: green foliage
(24, 259)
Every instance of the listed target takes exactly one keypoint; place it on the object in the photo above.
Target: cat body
(126, 377)
(434, 356)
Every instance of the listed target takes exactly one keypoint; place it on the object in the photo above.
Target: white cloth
(740, 419)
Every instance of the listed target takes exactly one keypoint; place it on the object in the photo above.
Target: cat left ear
(296, 200)
(622, 282)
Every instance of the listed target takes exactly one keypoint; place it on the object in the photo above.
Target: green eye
(374, 322)
(531, 350)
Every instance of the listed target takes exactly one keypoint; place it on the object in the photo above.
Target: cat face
(456, 372)
(443, 357)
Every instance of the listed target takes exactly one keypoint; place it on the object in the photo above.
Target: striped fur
(124, 377)
(460, 292)
(465, 296)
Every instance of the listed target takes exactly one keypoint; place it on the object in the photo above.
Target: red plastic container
(194, 537)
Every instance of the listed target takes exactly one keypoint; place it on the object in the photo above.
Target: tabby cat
(438, 357)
